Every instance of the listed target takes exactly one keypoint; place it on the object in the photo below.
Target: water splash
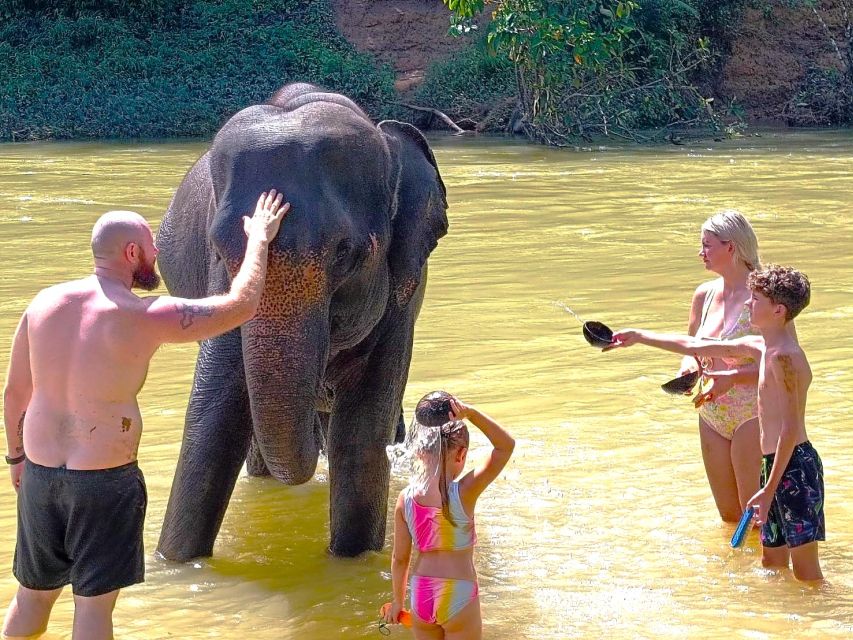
(565, 307)
(418, 458)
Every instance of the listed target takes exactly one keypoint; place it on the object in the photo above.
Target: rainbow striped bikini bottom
(437, 600)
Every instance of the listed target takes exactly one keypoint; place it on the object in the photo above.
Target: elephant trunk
(283, 373)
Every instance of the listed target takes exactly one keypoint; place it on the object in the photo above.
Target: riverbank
(179, 68)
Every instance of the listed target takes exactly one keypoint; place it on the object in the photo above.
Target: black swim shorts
(796, 513)
(80, 527)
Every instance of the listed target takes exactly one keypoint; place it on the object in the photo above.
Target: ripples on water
(602, 525)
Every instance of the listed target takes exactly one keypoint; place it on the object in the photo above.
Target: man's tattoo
(20, 447)
(126, 423)
(190, 311)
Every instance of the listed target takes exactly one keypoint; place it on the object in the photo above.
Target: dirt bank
(407, 34)
(771, 53)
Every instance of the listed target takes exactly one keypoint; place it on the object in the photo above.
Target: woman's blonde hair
(730, 225)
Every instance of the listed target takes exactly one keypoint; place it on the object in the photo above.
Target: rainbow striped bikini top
(432, 531)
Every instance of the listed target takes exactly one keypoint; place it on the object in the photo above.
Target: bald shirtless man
(80, 356)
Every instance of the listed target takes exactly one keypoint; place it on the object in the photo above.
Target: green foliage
(824, 99)
(468, 84)
(719, 20)
(165, 68)
(607, 67)
(138, 9)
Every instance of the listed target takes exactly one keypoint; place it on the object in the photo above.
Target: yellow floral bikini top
(742, 327)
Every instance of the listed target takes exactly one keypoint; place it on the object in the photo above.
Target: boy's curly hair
(782, 285)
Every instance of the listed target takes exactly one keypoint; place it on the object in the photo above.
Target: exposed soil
(407, 34)
(771, 51)
(771, 54)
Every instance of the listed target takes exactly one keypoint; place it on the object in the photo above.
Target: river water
(603, 524)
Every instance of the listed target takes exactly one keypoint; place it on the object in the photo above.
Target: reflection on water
(602, 525)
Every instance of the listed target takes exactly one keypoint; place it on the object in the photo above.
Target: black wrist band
(16, 460)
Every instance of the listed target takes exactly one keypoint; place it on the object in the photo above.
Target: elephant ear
(419, 206)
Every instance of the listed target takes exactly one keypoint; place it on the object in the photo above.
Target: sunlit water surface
(602, 525)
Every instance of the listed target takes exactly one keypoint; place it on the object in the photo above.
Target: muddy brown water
(602, 525)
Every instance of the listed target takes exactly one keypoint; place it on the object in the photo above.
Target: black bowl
(597, 334)
(682, 384)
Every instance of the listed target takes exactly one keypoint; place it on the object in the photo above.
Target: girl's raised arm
(503, 444)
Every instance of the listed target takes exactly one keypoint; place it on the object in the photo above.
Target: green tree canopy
(586, 67)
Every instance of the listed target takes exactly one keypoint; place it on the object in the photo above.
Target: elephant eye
(347, 259)
(343, 252)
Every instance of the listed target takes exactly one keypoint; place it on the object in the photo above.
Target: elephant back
(292, 96)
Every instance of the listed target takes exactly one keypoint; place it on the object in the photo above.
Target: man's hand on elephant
(269, 212)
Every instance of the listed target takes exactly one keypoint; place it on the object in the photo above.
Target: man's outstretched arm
(173, 319)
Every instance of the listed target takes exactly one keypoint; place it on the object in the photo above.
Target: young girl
(436, 511)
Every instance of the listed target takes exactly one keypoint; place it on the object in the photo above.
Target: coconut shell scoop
(597, 334)
(683, 384)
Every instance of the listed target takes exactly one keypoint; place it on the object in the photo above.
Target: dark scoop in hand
(681, 384)
(597, 334)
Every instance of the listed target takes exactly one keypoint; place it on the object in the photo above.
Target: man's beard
(145, 277)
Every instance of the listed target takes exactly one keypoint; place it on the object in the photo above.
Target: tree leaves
(598, 65)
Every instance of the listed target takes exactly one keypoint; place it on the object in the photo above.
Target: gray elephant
(324, 363)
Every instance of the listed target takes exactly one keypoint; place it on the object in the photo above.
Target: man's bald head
(115, 229)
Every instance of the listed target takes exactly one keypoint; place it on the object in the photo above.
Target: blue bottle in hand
(742, 527)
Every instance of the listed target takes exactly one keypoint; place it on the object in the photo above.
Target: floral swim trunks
(796, 512)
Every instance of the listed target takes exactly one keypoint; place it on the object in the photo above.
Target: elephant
(324, 362)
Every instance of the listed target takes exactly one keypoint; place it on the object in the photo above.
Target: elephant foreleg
(364, 421)
(217, 431)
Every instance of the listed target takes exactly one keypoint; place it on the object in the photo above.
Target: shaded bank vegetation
(826, 94)
(633, 69)
(585, 68)
(553, 70)
(163, 68)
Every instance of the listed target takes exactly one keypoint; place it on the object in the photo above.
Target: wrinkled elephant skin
(324, 362)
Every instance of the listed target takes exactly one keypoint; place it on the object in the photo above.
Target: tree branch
(829, 35)
(444, 117)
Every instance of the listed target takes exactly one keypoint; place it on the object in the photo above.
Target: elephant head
(368, 207)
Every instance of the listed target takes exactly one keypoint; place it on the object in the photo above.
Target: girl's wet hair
(433, 410)
(730, 225)
(434, 429)
(454, 435)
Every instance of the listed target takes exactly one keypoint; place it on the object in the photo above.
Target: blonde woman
(727, 402)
